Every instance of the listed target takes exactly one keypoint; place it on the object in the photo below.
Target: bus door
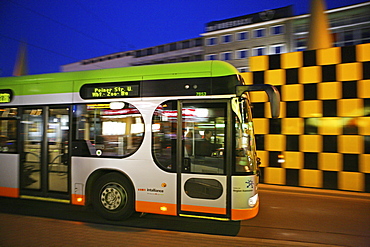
(202, 176)
(45, 158)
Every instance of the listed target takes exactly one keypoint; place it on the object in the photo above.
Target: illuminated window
(211, 41)
(204, 136)
(211, 57)
(277, 49)
(164, 129)
(227, 38)
(161, 49)
(243, 36)
(225, 56)
(113, 128)
(8, 130)
(242, 54)
(102, 129)
(259, 51)
(185, 44)
(259, 33)
(173, 47)
(276, 30)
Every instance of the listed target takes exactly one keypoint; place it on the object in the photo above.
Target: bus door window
(204, 134)
(8, 130)
(103, 129)
(57, 135)
(32, 132)
(164, 129)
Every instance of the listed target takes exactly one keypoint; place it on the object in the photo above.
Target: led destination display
(109, 90)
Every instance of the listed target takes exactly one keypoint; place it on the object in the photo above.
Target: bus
(171, 139)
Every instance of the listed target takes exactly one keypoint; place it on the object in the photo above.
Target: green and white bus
(172, 139)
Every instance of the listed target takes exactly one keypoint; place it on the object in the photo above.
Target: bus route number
(201, 93)
(6, 96)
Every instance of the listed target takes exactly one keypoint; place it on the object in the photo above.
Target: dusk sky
(62, 32)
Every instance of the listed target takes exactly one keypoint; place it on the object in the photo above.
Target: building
(236, 39)
(349, 25)
(181, 51)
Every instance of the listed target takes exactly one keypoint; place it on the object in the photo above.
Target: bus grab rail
(272, 92)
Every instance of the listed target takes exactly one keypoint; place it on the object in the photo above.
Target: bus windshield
(245, 147)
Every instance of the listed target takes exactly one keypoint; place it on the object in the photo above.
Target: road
(312, 216)
(300, 217)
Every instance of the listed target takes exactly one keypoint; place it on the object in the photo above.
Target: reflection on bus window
(8, 130)
(107, 129)
(204, 127)
(32, 136)
(245, 147)
(164, 128)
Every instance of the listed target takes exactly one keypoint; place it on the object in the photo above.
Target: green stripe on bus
(69, 82)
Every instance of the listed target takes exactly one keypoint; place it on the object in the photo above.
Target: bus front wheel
(113, 197)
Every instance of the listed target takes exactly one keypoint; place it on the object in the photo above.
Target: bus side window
(164, 129)
(103, 131)
(8, 130)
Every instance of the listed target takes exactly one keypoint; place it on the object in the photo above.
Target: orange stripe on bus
(244, 214)
(203, 209)
(78, 199)
(9, 192)
(156, 208)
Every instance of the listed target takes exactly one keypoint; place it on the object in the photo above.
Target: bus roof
(154, 72)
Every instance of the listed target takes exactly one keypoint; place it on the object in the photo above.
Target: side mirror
(272, 92)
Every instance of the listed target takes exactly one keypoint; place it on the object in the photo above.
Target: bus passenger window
(164, 127)
(204, 127)
(104, 130)
(8, 130)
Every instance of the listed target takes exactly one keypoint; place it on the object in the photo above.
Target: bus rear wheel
(113, 197)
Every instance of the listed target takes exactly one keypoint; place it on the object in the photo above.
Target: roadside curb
(314, 191)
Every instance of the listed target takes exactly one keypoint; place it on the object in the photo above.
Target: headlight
(253, 200)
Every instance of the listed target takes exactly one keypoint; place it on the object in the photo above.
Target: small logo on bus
(250, 184)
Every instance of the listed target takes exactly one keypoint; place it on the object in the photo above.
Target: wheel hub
(112, 197)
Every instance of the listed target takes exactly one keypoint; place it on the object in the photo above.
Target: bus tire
(113, 197)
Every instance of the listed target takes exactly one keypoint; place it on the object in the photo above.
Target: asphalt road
(287, 215)
(311, 216)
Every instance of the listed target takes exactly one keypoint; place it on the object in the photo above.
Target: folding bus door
(45, 152)
(203, 182)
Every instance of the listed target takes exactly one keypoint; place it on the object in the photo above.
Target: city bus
(171, 139)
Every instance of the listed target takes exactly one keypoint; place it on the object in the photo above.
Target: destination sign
(109, 90)
(6, 95)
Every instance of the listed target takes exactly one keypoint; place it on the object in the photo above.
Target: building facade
(235, 40)
(349, 25)
(180, 51)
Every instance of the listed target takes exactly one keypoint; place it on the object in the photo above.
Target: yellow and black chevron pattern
(322, 139)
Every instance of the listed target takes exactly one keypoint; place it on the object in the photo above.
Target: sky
(62, 32)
